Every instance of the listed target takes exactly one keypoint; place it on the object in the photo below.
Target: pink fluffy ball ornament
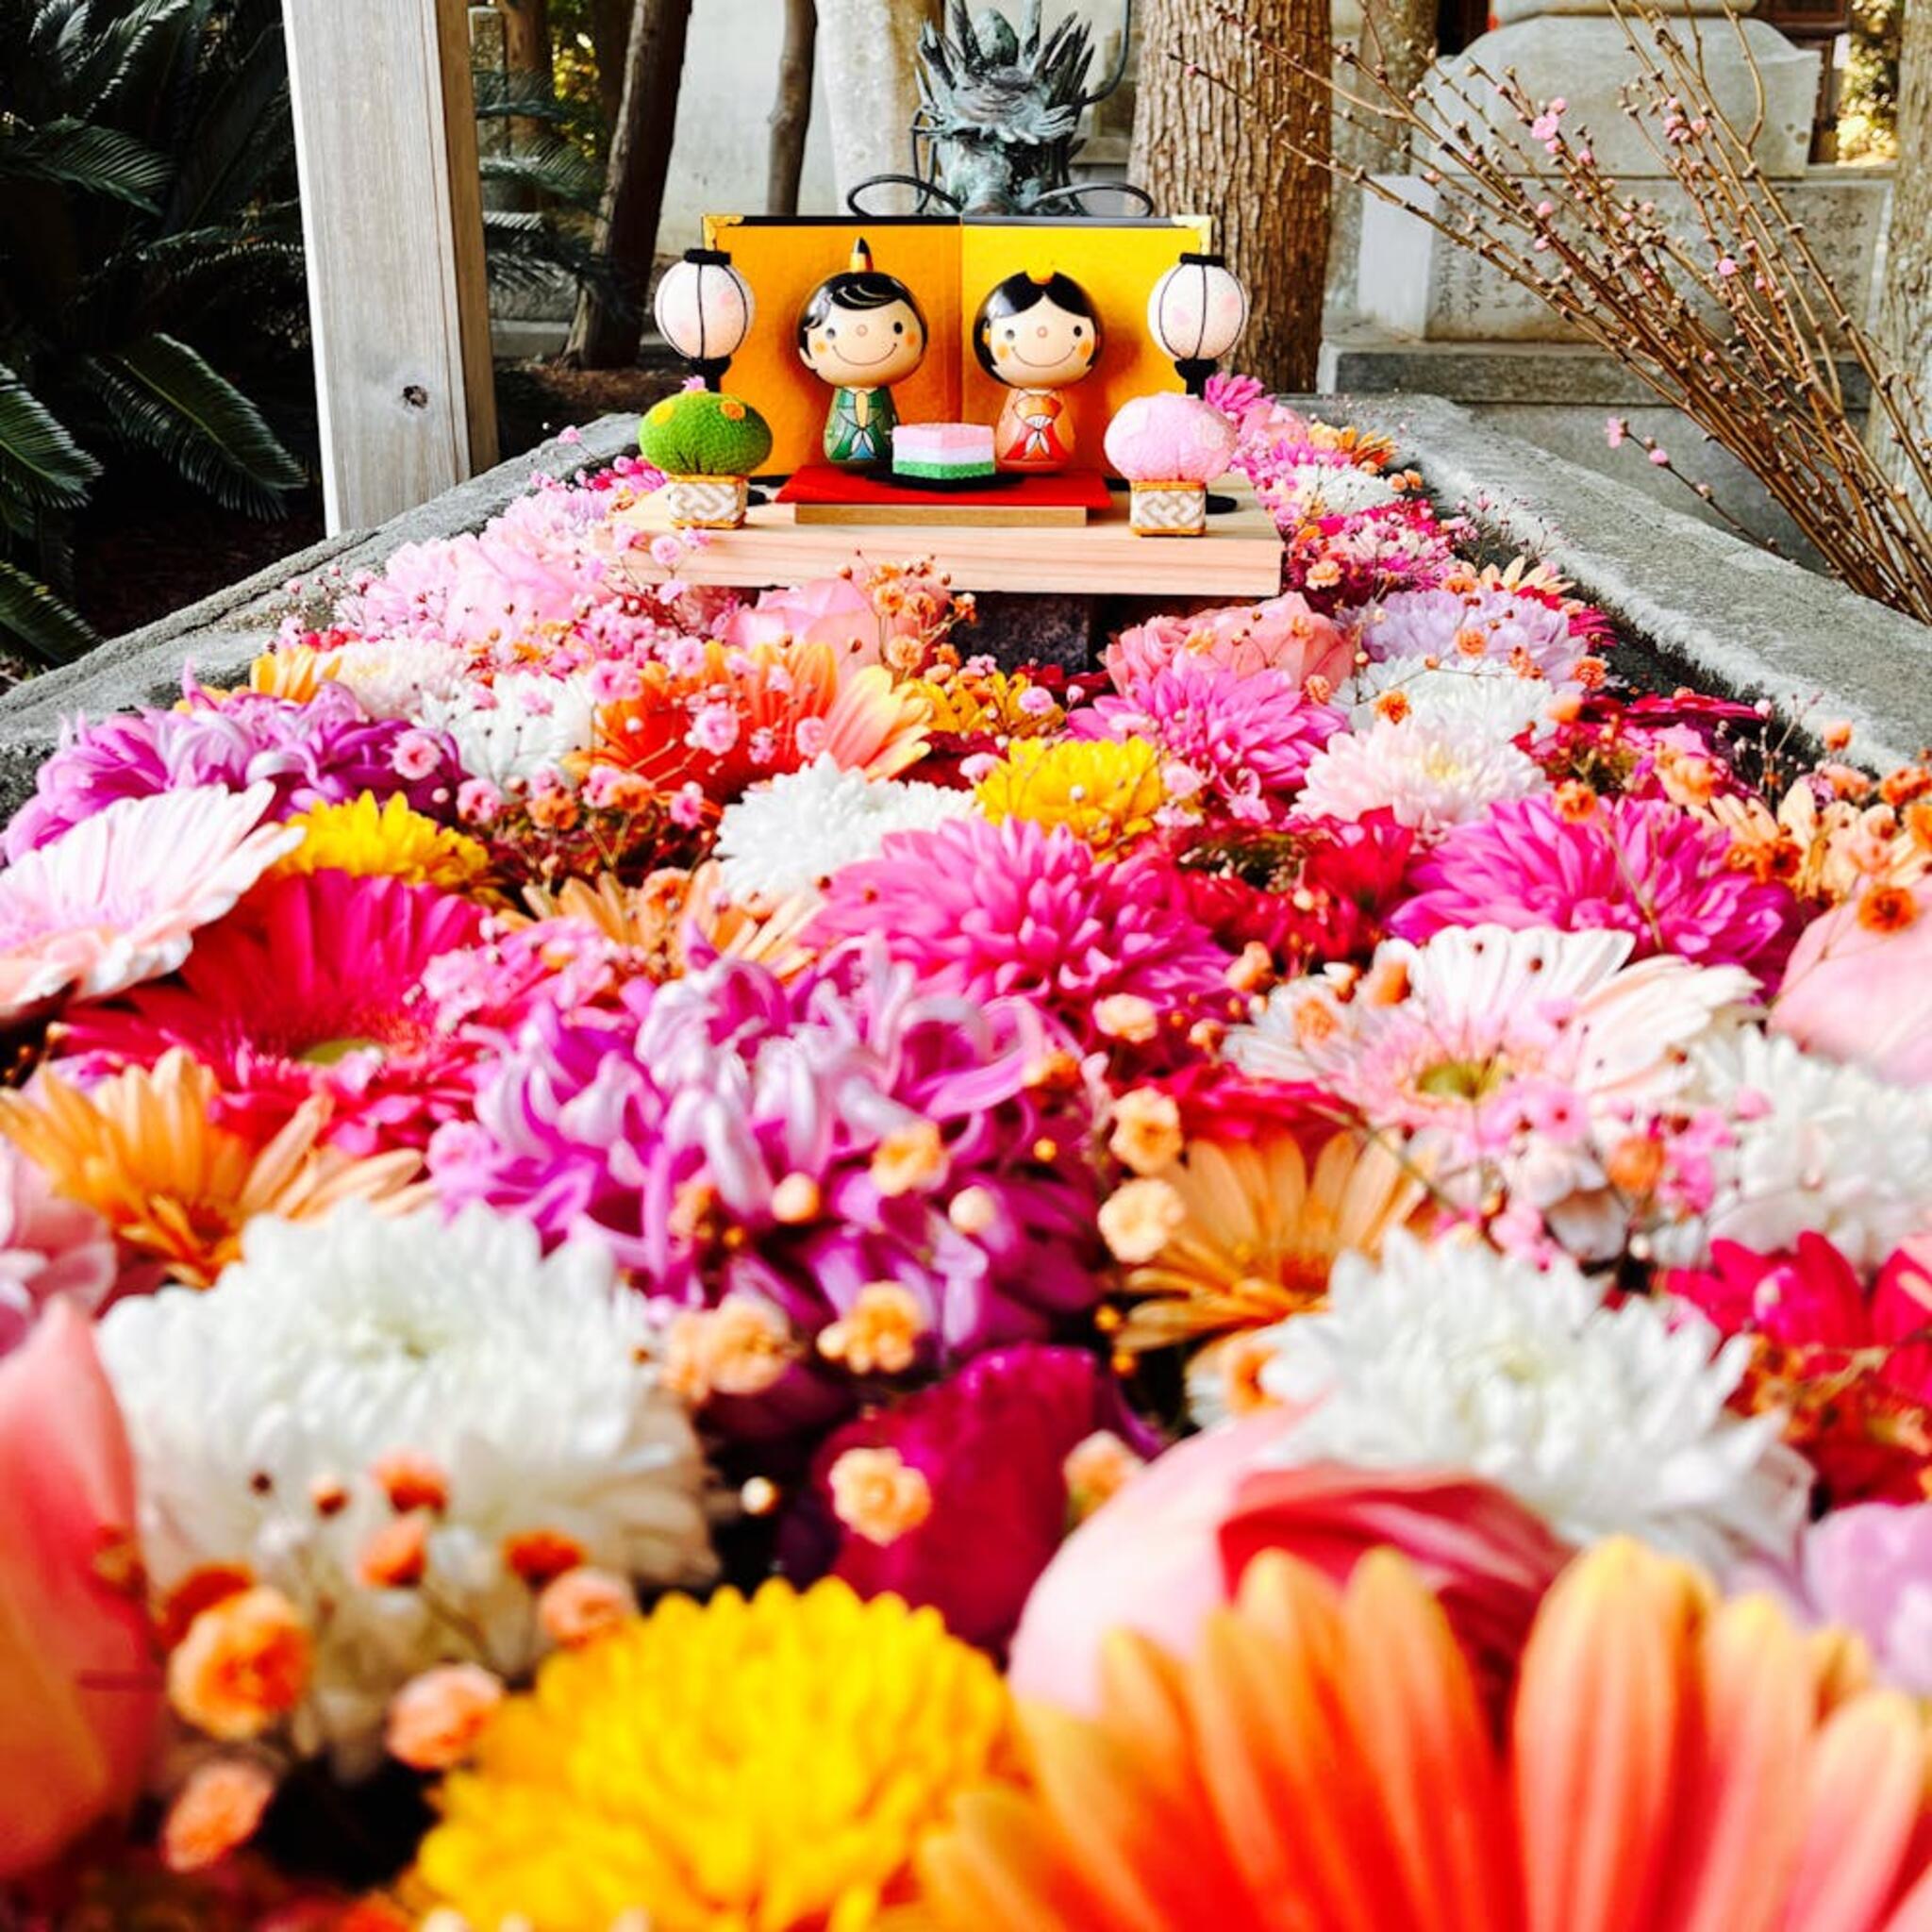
(1169, 439)
(1170, 448)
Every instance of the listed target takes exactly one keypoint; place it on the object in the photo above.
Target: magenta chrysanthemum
(1486, 621)
(984, 910)
(1233, 744)
(314, 987)
(321, 752)
(1633, 865)
(731, 1136)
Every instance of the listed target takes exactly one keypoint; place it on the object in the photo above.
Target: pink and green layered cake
(942, 452)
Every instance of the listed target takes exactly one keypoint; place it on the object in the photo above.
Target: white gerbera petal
(336, 1342)
(793, 832)
(1604, 1421)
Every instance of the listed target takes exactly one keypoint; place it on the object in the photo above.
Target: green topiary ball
(700, 433)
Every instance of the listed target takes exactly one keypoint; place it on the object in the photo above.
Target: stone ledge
(1697, 606)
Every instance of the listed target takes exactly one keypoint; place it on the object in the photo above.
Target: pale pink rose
(1858, 986)
(80, 1688)
(1172, 1545)
(48, 1247)
(828, 611)
(1280, 635)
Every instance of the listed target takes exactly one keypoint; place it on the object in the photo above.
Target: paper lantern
(1196, 313)
(704, 309)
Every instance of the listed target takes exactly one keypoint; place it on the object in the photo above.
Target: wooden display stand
(1238, 557)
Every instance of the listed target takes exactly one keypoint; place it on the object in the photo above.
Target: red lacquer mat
(822, 483)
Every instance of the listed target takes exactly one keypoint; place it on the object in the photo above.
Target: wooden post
(392, 227)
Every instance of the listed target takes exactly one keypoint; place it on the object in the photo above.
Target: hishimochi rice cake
(942, 452)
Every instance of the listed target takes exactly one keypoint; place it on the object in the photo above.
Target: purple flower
(1870, 1568)
(987, 911)
(1490, 621)
(1633, 865)
(320, 752)
(1245, 741)
(987, 1451)
(730, 1135)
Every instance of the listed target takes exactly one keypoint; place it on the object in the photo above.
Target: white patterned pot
(706, 503)
(1168, 509)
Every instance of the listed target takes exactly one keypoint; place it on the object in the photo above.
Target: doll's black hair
(1020, 292)
(857, 288)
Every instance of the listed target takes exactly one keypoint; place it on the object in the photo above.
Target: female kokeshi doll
(862, 331)
(1039, 334)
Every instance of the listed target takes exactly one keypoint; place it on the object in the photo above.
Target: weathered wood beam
(393, 227)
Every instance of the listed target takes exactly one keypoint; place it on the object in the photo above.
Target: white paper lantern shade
(704, 309)
(1196, 313)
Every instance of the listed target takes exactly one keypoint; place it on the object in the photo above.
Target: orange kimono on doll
(1038, 335)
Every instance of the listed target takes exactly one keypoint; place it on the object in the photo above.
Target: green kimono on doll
(862, 331)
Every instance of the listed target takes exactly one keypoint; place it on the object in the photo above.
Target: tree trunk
(1401, 36)
(1904, 309)
(527, 57)
(791, 113)
(1198, 149)
(606, 334)
(610, 37)
(868, 49)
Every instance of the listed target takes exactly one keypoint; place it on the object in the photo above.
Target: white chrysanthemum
(1818, 1147)
(522, 725)
(1604, 1421)
(393, 678)
(793, 832)
(1484, 694)
(1499, 1055)
(1333, 490)
(336, 1342)
(1431, 773)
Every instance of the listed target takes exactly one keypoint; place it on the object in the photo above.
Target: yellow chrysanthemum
(1006, 703)
(296, 671)
(369, 840)
(142, 1150)
(1255, 1232)
(732, 1766)
(1107, 791)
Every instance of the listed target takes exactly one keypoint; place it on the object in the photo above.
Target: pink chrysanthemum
(1233, 744)
(48, 1247)
(117, 899)
(1489, 621)
(787, 1147)
(1640, 866)
(984, 910)
(314, 987)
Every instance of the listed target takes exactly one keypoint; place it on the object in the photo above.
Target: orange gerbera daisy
(741, 715)
(1324, 1763)
(142, 1150)
(652, 919)
(1258, 1230)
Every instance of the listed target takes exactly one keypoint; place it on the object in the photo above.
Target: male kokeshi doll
(862, 331)
(1039, 334)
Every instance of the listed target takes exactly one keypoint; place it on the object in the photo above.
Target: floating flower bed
(690, 1263)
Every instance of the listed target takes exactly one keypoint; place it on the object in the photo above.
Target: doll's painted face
(1032, 334)
(861, 338)
(1044, 348)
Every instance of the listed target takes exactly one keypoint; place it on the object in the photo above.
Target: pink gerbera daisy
(117, 899)
(1633, 865)
(315, 987)
(986, 911)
